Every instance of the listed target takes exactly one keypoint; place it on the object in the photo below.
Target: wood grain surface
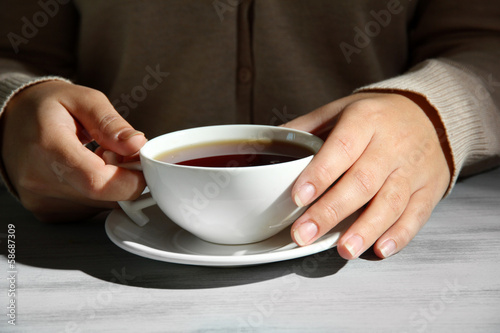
(72, 278)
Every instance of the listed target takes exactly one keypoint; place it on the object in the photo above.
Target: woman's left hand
(384, 152)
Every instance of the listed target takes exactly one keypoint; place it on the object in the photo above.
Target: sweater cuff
(10, 85)
(447, 88)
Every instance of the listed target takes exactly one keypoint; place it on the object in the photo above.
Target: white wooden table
(72, 278)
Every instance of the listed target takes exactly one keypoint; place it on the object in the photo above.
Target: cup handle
(134, 208)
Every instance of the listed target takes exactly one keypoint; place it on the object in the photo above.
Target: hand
(45, 128)
(383, 152)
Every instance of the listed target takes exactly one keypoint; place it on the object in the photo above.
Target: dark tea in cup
(236, 153)
(236, 202)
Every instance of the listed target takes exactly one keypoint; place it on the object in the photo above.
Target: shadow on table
(86, 247)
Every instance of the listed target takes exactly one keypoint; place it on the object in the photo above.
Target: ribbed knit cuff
(10, 85)
(452, 92)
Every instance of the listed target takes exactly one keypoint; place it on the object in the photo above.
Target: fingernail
(304, 195)
(127, 134)
(305, 233)
(388, 248)
(354, 245)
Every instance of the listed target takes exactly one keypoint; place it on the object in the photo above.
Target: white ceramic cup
(225, 205)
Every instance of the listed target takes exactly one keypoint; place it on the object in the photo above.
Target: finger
(385, 208)
(110, 157)
(416, 214)
(382, 212)
(89, 175)
(356, 187)
(103, 123)
(113, 158)
(345, 144)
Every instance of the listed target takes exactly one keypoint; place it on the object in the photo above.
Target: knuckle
(395, 200)
(364, 181)
(345, 146)
(324, 173)
(106, 121)
(420, 214)
(404, 237)
(366, 109)
(93, 186)
(423, 212)
(329, 212)
(397, 197)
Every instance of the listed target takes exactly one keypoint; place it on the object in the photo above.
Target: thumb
(92, 109)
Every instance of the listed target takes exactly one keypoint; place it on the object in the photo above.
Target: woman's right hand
(45, 127)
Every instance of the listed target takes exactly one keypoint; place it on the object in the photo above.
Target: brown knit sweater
(168, 65)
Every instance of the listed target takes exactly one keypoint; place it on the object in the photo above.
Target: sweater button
(244, 75)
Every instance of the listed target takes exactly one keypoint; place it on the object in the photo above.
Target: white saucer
(161, 239)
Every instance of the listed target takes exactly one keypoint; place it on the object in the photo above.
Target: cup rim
(316, 145)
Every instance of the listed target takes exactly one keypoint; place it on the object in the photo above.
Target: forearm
(28, 57)
(456, 51)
